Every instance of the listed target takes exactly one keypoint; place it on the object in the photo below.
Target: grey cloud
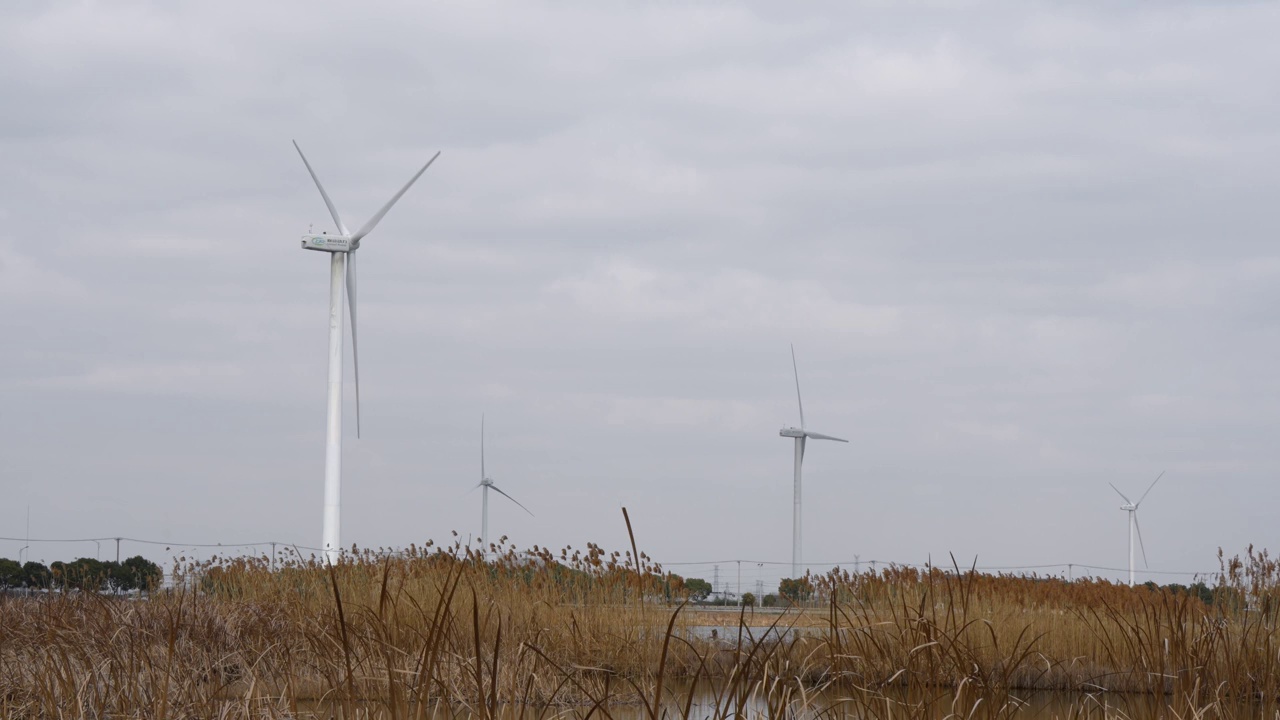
(1022, 250)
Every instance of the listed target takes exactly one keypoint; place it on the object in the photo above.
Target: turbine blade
(797, 372)
(355, 347)
(482, 447)
(820, 436)
(1144, 495)
(333, 211)
(802, 444)
(522, 507)
(1126, 498)
(373, 221)
(1142, 545)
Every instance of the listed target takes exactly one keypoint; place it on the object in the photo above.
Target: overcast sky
(1022, 249)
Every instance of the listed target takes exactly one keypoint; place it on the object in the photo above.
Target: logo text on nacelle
(327, 243)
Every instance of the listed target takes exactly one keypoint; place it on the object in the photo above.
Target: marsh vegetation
(436, 632)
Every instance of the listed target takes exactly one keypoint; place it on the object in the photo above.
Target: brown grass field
(440, 632)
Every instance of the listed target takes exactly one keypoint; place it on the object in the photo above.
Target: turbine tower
(342, 249)
(800, 434)
(1132, 508)
(487, 484)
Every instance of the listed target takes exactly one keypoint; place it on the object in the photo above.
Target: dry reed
(434, 631)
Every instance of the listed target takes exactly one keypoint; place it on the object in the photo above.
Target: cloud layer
(1022, 251)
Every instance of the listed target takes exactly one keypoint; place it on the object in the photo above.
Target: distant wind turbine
(487, 484)
(800, 434)
(1132, 508)
(342, 251)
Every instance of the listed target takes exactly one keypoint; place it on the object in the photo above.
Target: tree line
(790, 590)
(85, 574)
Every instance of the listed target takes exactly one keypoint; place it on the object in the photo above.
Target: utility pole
(26, 548)
(739, 581)
(857, 564)
(1070, 572)
(273, 557)
(118, 550)
(715, 581)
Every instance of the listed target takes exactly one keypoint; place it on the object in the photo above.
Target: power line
(166, 543)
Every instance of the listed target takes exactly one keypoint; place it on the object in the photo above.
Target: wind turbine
(800, 434)
(342, 253)
(1132, 508)
(487, 484)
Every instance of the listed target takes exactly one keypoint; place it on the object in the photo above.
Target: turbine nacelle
(794, 432)
(329, 243)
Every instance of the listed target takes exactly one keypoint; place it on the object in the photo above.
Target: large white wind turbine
(1132, 508)
(342, 249)
(800, 434)
(486, 483)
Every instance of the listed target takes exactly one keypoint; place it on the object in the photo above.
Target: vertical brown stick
(475, 627)
(635, 555)
(342, 627)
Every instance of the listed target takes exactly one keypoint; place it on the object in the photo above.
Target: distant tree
(137, 573)
(1199, 590)
(795, 589)
(769, 600)
(84, 574)
(35, 575)
(92, 575)
(10, 573)
(748, 599)
(698, 588)
(672, 586)
(1204, 592)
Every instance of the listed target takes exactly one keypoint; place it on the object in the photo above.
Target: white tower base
(1131, 558)
(332, 542)
(796, 522)
(484, 523)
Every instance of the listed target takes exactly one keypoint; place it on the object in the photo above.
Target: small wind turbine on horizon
(800, 434)
(342, 264)
(1132, 508)
(486, 483)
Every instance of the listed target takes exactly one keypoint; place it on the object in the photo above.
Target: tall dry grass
(446, 631)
